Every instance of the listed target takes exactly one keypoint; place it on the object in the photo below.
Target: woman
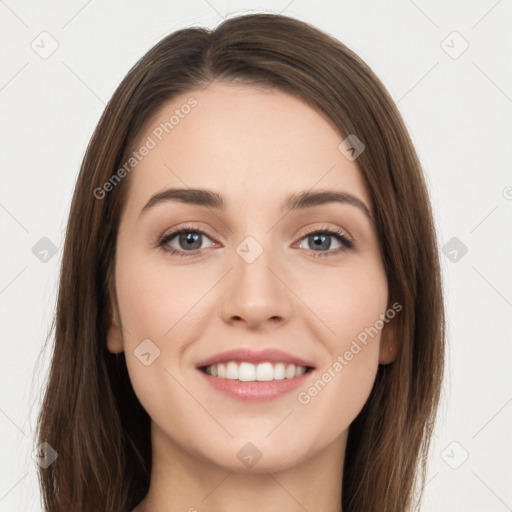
(250, 313)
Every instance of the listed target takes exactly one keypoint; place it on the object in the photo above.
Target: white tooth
(232, 371)
(279, 371)
(247, 372)
(290, 371)
(264, 372)
(301, 370)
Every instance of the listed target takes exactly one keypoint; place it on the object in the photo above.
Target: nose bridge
(255, 292)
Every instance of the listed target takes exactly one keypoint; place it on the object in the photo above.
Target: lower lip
(257, 391)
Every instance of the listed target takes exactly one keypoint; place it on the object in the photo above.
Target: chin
(255, 454)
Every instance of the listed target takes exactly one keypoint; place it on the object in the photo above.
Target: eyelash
(337, 233)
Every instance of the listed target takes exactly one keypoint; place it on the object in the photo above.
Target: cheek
(344, 303)
(334, 399)
(154, 301)
(351, 308)
(154, 304)
(355, 317)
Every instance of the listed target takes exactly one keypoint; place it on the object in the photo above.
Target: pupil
(319, 240)
(190, 240)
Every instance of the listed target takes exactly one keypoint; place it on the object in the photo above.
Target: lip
(239, 355)
(256, 391)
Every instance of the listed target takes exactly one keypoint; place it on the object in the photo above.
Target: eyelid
(325, 228)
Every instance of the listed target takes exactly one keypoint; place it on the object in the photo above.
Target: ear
(388, 343)
(115, 335)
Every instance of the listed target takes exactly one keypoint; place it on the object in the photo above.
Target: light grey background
(457, 107)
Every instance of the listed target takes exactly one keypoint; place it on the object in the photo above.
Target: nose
(256, 294)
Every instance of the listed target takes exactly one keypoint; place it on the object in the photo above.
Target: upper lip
(271, 355)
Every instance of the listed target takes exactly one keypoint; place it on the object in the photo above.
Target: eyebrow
(210, 199)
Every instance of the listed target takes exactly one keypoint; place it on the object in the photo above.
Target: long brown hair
(90, 414)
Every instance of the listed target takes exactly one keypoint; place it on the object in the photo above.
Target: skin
(255, 147)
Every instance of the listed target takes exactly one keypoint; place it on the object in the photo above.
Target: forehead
(246, 143)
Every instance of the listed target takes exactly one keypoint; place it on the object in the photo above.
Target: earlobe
(388, 344)
(114, 336)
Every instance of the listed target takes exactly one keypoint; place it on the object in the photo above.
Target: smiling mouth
(249, 372)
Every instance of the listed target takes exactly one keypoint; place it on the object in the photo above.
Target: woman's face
(217, 335)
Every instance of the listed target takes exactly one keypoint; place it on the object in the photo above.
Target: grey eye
(319, 241)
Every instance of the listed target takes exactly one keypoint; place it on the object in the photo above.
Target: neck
(183, 482)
